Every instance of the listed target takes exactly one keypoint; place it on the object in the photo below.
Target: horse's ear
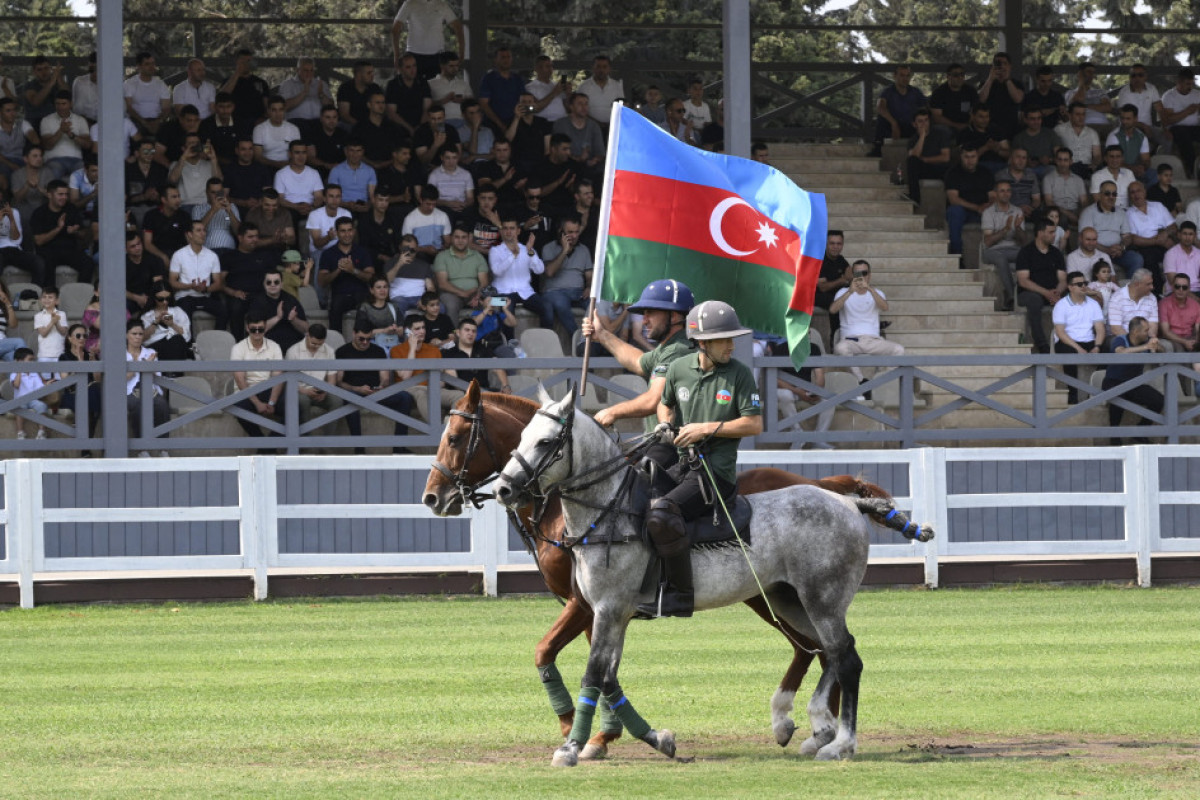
(472, 396)
(572, 393)
(543, 396)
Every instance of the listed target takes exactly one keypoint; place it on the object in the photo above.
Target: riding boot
(667, 530)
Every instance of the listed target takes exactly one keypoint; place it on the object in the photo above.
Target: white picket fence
(258, 512)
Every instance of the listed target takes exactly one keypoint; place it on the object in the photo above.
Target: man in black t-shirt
(327, 142)
(556, 174)
(144, 274)
(1041, 272)
(165, 228)
(951, 102)
(528, 134)
(246, 178)
(366, 382)
(408, 96)
(244, 269)
(59, 233)
(835, 274)
(968, 192)
(928, 153)
(285, 318)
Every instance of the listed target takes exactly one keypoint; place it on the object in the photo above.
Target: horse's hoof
(784, 731)
(836, 751)
(593, 752)
(813, 744)
(663, 741)
(565, 756)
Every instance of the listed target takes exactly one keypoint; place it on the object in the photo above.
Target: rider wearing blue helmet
(664, 305)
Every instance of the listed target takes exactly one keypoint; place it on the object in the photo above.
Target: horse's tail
(875, 502)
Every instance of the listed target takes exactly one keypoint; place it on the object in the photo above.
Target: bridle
(470, 491)
(562, 448)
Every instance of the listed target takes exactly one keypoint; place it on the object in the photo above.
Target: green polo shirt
(723, 394)
(654, 364)
(463, 273)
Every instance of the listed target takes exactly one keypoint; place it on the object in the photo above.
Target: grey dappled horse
(808, 549)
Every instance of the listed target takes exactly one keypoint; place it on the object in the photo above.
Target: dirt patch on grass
(884, 747)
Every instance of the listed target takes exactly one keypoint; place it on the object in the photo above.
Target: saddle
(715, 528)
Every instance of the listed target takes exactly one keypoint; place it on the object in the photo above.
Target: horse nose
(504, 492)
(430, 499)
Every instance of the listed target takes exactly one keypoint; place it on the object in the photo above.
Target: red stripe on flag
(702, 218)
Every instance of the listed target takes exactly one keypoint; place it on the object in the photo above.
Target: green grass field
(1023, 692)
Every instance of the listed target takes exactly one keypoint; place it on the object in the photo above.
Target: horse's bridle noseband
(562, 448)
(470, 491)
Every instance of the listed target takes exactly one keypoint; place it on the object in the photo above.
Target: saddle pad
(702, 531)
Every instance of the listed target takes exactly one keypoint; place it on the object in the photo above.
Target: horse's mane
(511, 402)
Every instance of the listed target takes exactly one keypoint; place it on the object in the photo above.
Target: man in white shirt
(1087, 254)
(1145, 97)
(601, 91)
(322, 221)
(1180, 114)
(85, 94)
(551, 95)
(64, 136)
(456, 187)
(195, 277)
(1082, 141)
(193, 170)
(514, 264)
(305, 94)
(147, 98)
(429, 224)
(450, 88)
(257, 347)
(273, 135)
(426, 21)
(1078, 326)
(314, 347)
(859, 306)
(195, 91)
(1153, 229)
(299, 185)
(1113, 171)
(1134, 299)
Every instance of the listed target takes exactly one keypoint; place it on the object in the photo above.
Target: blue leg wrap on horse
(610, 723)
(629, 716)
(585, 709)
(560, 698)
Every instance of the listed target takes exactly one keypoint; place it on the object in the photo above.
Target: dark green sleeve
(668, 393)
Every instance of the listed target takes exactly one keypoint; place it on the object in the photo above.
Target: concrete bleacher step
(931, 292)
(853, 224)
(902, 264)
(859, 238)
(947, 274)
(926, 322)
(818, 150)
(829, 177)
(860, 196)
(964, 339)
(846, 210)
(966, 308)
(941, 349)
(885, 251)
(796, 165)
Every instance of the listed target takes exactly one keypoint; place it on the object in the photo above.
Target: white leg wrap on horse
(781, 716)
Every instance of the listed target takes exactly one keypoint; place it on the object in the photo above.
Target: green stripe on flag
(759, 294)
(797, 336)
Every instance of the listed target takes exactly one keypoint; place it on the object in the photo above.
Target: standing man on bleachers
(426, 21)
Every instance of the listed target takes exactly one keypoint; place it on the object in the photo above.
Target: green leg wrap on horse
(560, 698)
(610, 723)
(629, 716)
(585, 709)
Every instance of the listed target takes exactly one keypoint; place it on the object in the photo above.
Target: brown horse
(482, 430)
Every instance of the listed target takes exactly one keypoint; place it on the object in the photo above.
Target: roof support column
(735, 35)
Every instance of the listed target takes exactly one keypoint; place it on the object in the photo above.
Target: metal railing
(914, 405)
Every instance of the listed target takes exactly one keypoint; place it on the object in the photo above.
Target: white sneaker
(21, 435)
(163, 454)
(41, 434)
(144, 454)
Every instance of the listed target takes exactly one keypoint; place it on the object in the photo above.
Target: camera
(860, 274)
(407, 250)
(498, 301)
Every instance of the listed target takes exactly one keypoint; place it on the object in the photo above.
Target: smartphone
(498, 301)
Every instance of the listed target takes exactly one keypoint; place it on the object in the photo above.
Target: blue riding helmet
(667, 294)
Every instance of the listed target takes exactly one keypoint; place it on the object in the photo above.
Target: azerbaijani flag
(731, 229)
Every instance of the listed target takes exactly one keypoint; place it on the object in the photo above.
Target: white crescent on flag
(714, 225)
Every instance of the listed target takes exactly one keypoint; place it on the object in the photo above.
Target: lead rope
(746, 555)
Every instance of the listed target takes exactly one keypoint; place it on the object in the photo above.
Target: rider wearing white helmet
(715, 400)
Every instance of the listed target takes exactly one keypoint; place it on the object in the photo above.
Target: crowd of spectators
(420, 212)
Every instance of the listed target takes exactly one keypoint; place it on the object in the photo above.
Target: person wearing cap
(714, 399)
(296, 271)
(664, 305)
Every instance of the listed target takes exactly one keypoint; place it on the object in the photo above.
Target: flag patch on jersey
(724, 396)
